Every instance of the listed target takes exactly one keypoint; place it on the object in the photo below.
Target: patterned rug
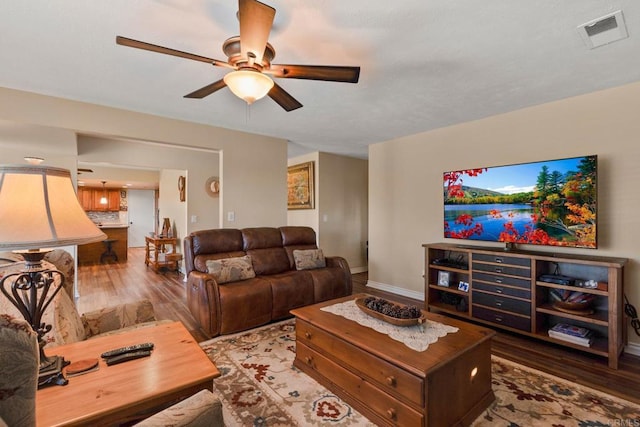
(260, 387)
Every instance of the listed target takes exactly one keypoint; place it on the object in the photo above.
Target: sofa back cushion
(264, 245)
(214, 244)
(297, 238)
(216, 241)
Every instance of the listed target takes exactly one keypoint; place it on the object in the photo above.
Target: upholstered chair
(202, 409)
(69, 326)
(19, 362)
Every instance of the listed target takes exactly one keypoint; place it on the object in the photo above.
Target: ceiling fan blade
(124, 41)
(316, 72)
(256, 20)
(207, 90)
(282, 97)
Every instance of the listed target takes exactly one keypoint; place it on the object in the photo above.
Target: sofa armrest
(340, 262)
(117, 317)
(203, 409)
(203, 300)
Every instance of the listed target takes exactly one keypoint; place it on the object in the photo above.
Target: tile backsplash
(104, 217)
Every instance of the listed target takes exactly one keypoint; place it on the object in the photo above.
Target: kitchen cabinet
(90, 253)
(85, 197)
(89, 198)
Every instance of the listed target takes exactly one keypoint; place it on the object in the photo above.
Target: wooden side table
(118, 394)
(161, 252)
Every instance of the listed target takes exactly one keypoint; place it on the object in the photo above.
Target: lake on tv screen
(492, 225)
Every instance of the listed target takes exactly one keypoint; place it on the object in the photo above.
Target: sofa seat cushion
(328, 283)
(231, 269)
(309, 259)
(290, 290)
(244, 305)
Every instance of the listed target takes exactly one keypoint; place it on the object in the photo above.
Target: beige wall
(340, 215)
(343, 213)
(405, 188)
(170, 206)
(253, 167)
(196, 164)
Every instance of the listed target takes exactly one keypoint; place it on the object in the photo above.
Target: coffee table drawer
(384, 405)
(387, 376)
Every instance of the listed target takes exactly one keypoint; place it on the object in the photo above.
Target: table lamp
(39, 209)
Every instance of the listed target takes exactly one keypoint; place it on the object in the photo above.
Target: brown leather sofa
(223, 308)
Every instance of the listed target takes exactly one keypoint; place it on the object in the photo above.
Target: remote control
(128, 349)
(127, 356)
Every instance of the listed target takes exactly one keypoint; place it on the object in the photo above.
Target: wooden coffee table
(176, 369)
(448, 384)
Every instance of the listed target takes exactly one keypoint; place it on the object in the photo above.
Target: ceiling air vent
(604, 30)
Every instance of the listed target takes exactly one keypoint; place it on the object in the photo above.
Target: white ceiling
(425, 64)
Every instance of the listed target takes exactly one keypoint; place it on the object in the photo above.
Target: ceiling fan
(250, 56)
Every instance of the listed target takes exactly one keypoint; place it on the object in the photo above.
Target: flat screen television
(550, 203)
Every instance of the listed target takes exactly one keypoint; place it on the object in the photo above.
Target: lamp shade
(39, 209)
(248, 85)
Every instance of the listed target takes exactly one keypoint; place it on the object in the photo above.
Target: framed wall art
(300, 193)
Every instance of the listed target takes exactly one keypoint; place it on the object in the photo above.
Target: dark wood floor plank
(108, 284)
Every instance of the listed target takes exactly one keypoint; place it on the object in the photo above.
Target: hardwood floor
(108, 284)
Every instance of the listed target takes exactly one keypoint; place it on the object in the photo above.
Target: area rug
(259, 386)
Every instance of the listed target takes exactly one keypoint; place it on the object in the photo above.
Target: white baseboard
(395, 290)
(359, 270)
(630, 348)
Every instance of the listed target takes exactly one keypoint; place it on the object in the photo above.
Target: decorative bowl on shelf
(573, 302)
(360, 302)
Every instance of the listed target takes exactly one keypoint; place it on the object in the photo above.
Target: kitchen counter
(91, 252)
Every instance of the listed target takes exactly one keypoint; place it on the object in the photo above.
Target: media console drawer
(502, 303)
(502, 318)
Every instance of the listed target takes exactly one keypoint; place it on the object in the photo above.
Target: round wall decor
(212, 186)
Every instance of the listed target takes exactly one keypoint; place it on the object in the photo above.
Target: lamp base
(51, 372)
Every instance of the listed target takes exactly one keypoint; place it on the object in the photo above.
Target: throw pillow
(231, 269)
(309, 259)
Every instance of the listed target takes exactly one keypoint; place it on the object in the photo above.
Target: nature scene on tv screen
(543, 203)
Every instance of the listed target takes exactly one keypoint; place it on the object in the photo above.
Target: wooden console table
(177, 368)
(505, 289)
(161, 252)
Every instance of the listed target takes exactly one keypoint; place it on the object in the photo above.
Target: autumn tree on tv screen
(540, 203)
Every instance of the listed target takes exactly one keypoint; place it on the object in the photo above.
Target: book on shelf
(583, 341)
(572, 330)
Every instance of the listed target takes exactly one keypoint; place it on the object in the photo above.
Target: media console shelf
(503, 289)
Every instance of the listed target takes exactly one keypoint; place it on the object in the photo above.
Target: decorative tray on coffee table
(360, 302)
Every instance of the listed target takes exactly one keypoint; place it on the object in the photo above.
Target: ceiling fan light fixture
(248, 85)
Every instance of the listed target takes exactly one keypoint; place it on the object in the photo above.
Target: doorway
(141, 216)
